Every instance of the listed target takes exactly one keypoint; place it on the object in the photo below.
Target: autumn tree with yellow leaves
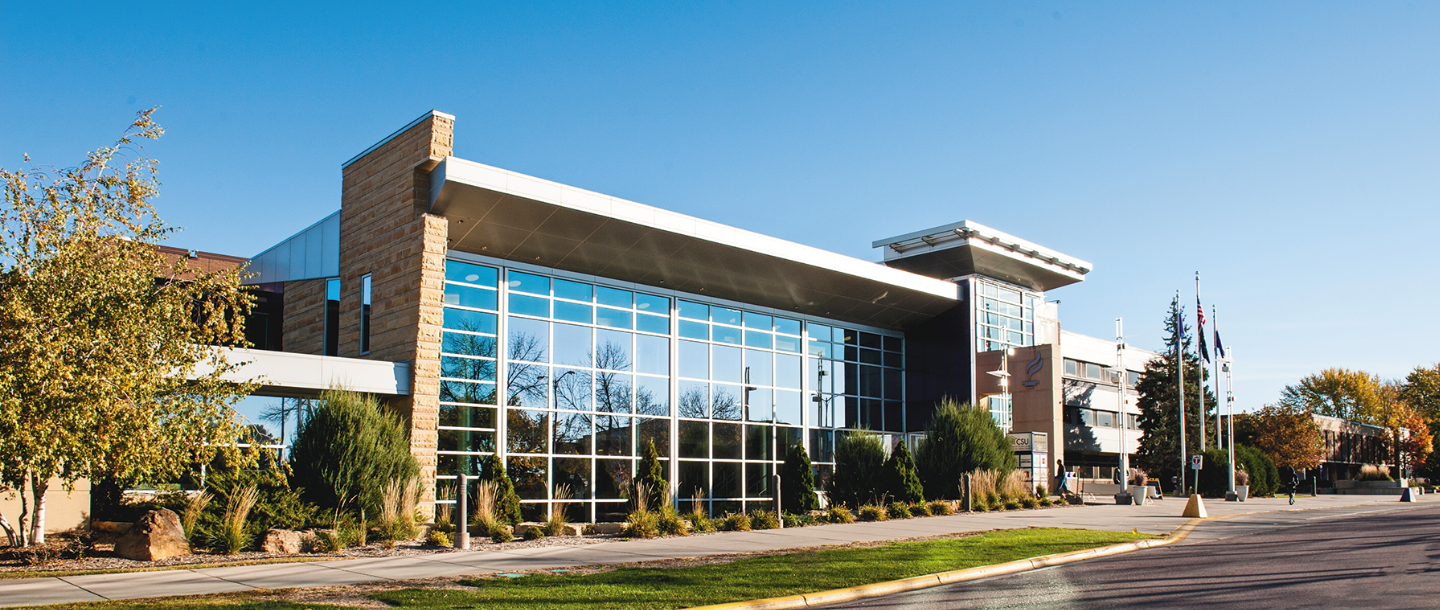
(106, 369)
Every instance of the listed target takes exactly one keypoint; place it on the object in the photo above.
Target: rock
(604, 528)
(156, 535)
(288, 542)
(571, 529)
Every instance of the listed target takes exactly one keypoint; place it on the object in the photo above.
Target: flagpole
(1200, 383)
(1219, 425)
(1230, 407)
(1180, 377)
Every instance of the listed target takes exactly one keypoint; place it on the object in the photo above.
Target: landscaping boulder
(156, 535)
(571, 529)
(288, 542)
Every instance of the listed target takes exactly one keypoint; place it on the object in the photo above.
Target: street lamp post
(1004, 375)
(1118, 375)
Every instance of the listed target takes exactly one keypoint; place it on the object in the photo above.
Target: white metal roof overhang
(498, 213)
(970, 248)
(306, 376)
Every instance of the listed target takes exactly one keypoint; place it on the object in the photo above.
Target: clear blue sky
(1288, 151)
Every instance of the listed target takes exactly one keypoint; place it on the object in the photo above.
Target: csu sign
(1026, 442)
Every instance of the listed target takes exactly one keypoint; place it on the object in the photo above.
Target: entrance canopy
(498, 213)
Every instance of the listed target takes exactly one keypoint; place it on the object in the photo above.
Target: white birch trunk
(24, 511)
(9, 531)
(37, 523)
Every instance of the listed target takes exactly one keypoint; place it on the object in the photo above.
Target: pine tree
(960, 439)
(652, 473)
(1159, 452)
(797, 482)
(507, 503)
(900, 473)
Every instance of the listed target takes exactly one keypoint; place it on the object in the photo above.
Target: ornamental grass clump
(486, 521)
(231, 536)
(555, 524)
(899, 510)
(641, 522)
(839, 514)
(194, 507)
(699, 521)
(397, 514)
(764, 519)
(1013, 486)
(920, 509)
(873, 512)
(940, 507)
(982, 486)
(736, 522)
(1029, 502)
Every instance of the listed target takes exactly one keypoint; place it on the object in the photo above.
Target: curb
(836, 596)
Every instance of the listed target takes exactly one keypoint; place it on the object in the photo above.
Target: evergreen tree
(960, 439)
(900, 474)
(797, 482)
(859, 468)
(507, 502)
(348, 450)
(1159, 452)
(652, 473)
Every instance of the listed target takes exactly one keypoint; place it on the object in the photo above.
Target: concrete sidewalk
(1158, 518)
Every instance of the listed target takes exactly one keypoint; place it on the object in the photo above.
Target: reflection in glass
(525, 282)
(574, 312)
(473, 321)
(757, 443)
(612, 350)
(694, 479)
(468, 345)
(652, 396)
(788, 407)
(614, 318)
(612, 392)
(529, 476)
(656, 431)
(759, 405)
(652, 355)
(528, 305)
(755, 338)
(727, 366)
(787, 371)
(572, 389)
(529, 339)
(457, 295)
(470, 369)
(465, 440)
(725, 316)
(727, 480)
(467, 417)
(526, 431)
(694, 330)
(574, 291)
(789, 327)
(575, 474)
(652, 324)
(456, 271)
(726, 441)
(757, 480)
(694, 311)
(725, 401)
(725, 334)
(694, 360)
(822, 446)
(477, 393)
(572, 344)
(612, 478)
(694, 439)
(759, 366)
(757, 321)
(572, 434)
(694, 399)
(612, 436)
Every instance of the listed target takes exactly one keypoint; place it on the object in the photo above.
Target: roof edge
(432, 113)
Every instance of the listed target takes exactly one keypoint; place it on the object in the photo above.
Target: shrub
(347, 449)
(960, 439)
(978, 505)
(232, 536)
(736, 522)
(859, 469)
(839, 513)
(438, 538)
(940, 507)
(920, 509)
(329, 541)
(904, 483)
(899, 510)
(797, 482)
(1264, 478)
(1045, 501)
(873, 512)
(534, 533)
(1242, 477)
(794, 520)
(1029, 502)
(764, 519)
(507, 502)
(502, 534)
(993, 498)
(1041, 491)
(642, 524)
(1371, 472)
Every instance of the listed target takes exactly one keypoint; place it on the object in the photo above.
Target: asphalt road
(1370, 557)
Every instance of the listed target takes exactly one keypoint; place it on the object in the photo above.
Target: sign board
(1195, 461)
(1025, 442)
(1027, 461)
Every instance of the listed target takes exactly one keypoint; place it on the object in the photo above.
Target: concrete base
(1195, 508)
(1410, 495)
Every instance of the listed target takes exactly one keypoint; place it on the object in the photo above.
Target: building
(565, 329)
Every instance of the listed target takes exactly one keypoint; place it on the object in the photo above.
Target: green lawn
(751, 578)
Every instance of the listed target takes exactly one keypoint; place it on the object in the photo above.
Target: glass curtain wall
(1005, 316)
(590, 374)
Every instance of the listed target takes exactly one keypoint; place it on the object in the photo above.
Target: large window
(571, 379)
(1005, 316)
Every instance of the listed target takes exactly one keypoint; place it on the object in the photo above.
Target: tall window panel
(469, 363)
(332, 317)
(856, 383)
(1005, 316)
(365, 314)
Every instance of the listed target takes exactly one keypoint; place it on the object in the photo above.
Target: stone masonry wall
(305, 317)
(384, 231)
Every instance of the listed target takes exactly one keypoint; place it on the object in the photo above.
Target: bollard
(775, 489)
(462, 523)
(967, 493)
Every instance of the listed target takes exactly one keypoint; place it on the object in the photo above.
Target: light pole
(1230, 414)
(1004, 375)
(1118, 374)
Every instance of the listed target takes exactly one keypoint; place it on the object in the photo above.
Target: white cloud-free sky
(1285, 150)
